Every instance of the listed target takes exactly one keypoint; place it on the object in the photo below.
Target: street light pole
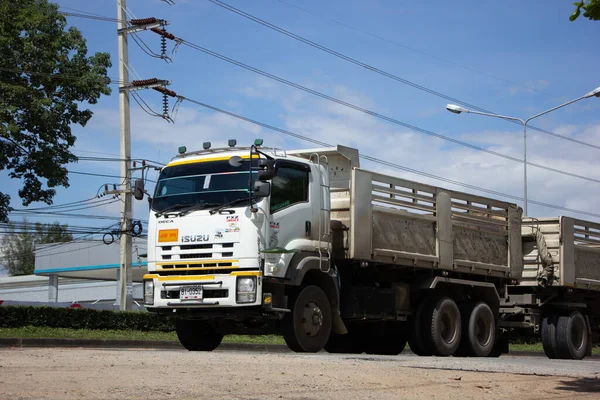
(457, 110)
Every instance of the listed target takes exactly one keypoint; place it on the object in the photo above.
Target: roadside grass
(65, 333)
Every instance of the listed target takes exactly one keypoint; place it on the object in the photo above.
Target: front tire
(197, 335)
(306, 329)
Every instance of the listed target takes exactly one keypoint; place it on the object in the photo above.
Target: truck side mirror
(262, 189)
(138, 189)
(266, 169)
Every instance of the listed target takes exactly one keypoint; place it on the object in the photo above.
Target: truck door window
(289, 186)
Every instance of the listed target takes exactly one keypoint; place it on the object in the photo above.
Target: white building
(83, 272)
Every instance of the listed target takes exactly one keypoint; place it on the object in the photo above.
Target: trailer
(308, 244)
(558, 296)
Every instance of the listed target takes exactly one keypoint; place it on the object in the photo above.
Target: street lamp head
(595, 92)
(453, 108)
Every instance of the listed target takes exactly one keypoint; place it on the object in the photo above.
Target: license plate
(190, 293)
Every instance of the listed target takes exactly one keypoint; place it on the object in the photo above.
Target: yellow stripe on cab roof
(208, 159)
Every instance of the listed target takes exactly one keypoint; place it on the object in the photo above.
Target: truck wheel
(419, 343)
(444, 326)
(195, 335)
(481, 330)
(571, 336)
(548, 333)
(307, 327)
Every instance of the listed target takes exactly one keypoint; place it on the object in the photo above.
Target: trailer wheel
(307, 327)
(571, 336)
(480, 331)
(195, 335)
(548, 333)
(444, 326)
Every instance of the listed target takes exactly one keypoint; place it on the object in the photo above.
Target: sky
(512, 58)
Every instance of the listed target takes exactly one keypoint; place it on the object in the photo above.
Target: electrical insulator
(165, 105)
(163, 46)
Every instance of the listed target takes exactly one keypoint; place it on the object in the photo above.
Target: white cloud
(336, 124)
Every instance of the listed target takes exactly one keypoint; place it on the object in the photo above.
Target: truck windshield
(211, 183)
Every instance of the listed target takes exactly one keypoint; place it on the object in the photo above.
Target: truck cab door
(290, 214)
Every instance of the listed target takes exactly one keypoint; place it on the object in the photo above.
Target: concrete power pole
(125, 271)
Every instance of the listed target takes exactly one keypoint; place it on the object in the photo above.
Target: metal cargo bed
(561, 251)
(401, 222)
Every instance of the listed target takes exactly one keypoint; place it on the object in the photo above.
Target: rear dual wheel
(565, 336)
(436, 327)
(478, 332)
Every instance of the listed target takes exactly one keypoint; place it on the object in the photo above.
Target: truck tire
(548, 334)
(420, 344)
(306, 329)
(571, 336)
(480, 332)
(196, 335)
(444, 326)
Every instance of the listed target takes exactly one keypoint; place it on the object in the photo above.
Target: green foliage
(19, 242)
(81, 318)
(45, 78)
(591, 10)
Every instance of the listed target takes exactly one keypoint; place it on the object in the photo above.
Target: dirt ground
(51, 373)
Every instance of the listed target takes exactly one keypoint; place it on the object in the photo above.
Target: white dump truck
(307, 244)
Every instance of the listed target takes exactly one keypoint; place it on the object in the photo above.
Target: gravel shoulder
(58, 373)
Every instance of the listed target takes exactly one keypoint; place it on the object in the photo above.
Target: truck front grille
(195, 251)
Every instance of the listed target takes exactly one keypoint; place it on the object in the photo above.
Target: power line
(378, 115)
(381, 72)
(89, 16)
(398, 44)
(386, 163)
(57, 205)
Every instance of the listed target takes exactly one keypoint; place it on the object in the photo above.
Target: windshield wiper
(185, 208)
(170, 208)
(196, 206)
(222, 206)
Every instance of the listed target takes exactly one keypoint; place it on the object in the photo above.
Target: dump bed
(397, 221)
(561, 251)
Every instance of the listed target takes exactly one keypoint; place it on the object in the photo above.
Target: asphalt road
(83, 373)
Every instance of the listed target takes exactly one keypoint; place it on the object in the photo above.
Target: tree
(20, 240)
(45, 78)
(591, 10)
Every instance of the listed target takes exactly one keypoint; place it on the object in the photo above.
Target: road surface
(82, 373)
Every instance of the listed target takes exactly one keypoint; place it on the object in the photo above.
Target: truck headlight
(149, 292)
(246, 289)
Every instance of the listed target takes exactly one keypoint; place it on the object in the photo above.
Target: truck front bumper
(237, 289)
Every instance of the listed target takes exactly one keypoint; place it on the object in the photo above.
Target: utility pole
(124, 27)
(125, 276)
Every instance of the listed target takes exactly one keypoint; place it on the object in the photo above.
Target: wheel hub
(312, 319)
